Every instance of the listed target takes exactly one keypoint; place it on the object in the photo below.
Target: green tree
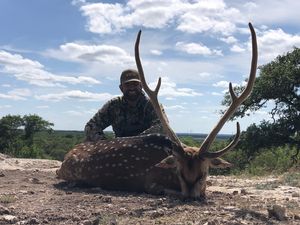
(34, 124)
(278, 83)
(10, 133)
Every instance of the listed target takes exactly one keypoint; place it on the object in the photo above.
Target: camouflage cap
(129, 75)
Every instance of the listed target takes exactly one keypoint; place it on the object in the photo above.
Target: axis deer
(192, 164)
(154, 162)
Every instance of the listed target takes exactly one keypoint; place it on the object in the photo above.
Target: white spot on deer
(131, 175)
(137, 158)
(119, 164)
(75, 158)
(146, 146)
(135, 146)
(125, 160)
(124, 145)
(130, 145)
(139, 149)
(121, 154)
(113, 155)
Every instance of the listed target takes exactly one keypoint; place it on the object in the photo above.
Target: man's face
(131, 90)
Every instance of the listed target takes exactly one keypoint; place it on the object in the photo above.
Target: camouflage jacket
(124, 119)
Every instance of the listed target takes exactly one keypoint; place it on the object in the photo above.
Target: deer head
(192, 164)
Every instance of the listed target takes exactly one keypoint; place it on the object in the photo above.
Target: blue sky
(61, 59)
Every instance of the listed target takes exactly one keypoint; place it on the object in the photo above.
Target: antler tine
(235, 101)
(153, 94)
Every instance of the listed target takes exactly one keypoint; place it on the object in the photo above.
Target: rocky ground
(31, 194)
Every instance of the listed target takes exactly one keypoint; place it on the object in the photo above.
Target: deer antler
(235, 103)
(153, 96)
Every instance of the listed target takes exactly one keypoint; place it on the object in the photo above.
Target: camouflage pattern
(124, 119)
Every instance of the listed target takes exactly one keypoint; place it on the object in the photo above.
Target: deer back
(121, 164)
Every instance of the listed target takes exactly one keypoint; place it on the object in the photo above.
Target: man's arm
(95, 126)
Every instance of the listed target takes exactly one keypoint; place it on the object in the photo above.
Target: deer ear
(167, 163)
(219, 163)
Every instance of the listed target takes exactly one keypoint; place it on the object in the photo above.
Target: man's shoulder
(115, 101)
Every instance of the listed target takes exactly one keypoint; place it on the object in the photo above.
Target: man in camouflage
(129, 115)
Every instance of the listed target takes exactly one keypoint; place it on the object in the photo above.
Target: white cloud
(224, 84)
(33, 72)
(236, 48)
(189, 16)
(174, 107)
(275, 42)
(75, 94)
(286, 11)
(16, 94)
(83, 53)
(169, 90)
(20, 92)
(155, 52)
(217, 94)
(196, 49)
(229, 40)
(42, 107)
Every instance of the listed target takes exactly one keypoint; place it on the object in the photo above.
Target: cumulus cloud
(189, 16)
(82, 53)
(229, 40)
(34, 73)
(155, 52)
(174, 107)
(224, 84)
(196, 49)
(169, 90)
(75, 94)
(236, 48)
(275, 42)
(16, 94)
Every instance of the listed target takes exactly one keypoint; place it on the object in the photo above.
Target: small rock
(2, 174)
(295, 195)
(243, 192)
(33, 221)
(105, 199)
(208, 183)
(278, 212)
(235, 192)
(3, 210)
(35, 180)
(8, 219)
(157, 213)
(297, 217)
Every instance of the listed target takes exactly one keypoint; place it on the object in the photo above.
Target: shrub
(271, 160)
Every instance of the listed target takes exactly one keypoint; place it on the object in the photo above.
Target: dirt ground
(31, 194)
